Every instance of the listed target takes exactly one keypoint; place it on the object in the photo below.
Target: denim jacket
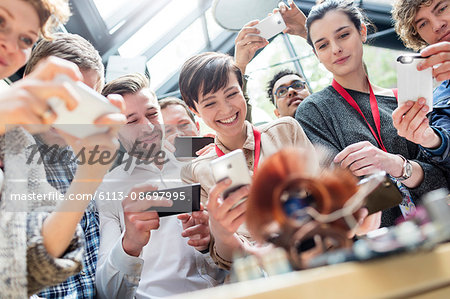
(440, 121)
(440, 117)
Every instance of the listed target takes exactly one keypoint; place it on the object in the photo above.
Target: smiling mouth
(341, 60)
(230, 120)
(3, 62)
(295, 100)
(445, 37)
(150, 138)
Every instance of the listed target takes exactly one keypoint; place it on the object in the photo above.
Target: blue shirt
(440, 122)
(60, 167)
(440, 117)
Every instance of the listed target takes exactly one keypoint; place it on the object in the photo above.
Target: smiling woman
(211, 85)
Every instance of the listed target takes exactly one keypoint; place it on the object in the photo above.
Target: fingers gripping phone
(185, 199)
(271, 26)
(233, 166)
(80, 121)
(413, 84)
(187, 146)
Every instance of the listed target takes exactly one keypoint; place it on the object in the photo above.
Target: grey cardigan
(25, 265)
(330, 121)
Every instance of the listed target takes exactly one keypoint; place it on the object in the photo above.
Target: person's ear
(277, 113)
(363, 32)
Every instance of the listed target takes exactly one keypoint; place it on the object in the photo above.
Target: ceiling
(167, 32)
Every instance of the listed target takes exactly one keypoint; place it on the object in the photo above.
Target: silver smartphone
(80, 121)
(271, 26)
(233, 166)
(413, 84)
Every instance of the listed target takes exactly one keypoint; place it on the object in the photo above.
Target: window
(164, 64)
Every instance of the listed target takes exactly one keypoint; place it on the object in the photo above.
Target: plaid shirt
(60, 167)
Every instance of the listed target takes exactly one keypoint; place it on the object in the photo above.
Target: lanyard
(257, 136)
(373, 107)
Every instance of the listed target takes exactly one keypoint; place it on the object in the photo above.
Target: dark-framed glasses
(282, 91)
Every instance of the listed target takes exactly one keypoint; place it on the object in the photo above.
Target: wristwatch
(407, 169)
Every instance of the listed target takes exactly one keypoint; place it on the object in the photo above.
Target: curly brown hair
(404, 13)
(51, 13)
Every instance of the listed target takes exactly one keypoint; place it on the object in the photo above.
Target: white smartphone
(271, 26)
(234, 167)
(80, 121)
(413, 84)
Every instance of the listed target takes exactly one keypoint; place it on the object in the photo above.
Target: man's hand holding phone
(437, 55)
(294, 18)
(411, 122)
(138, 221)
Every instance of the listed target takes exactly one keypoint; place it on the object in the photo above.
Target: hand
(206, 149)
(25, 103)
(169, 146)
(225, 221)
(247, 43)
(196, 228)
(366, 223)
(439, 54)
(294, 18)
(105, 142)
(138, 221)
(411, 122)
(363, 158)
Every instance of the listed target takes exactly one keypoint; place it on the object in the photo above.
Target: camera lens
(229, 166)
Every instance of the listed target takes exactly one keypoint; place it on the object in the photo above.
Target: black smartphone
(384, 195)
(185, 199)
(186, 146)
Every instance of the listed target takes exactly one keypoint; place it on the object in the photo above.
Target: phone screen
(185, 199)
(187, 146)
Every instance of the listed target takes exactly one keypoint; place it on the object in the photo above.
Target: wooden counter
(412, 275)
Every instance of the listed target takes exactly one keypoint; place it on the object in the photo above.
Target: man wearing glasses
(286, 91)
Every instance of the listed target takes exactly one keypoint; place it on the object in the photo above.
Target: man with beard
(140, 254)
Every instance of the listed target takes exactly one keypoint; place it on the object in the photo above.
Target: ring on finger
(47, 114)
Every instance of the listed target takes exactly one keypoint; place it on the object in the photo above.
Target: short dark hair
(164, 103)
(276, 77)
(127, 84)
(68, 46)
(205, 73)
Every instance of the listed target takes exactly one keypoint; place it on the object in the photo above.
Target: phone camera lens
(229, 166)
(279, 22)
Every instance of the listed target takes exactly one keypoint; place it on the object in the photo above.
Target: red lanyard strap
(373, 107)
(257, 136)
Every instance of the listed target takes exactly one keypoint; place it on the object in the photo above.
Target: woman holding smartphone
(353, 117)
(211, 85)
(39, 249)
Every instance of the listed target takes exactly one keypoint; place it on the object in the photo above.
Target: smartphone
(80, 121)
(271, 26)
(233, 166)
(185, 199)
(186, 146)
(413, 84)
(380, 193)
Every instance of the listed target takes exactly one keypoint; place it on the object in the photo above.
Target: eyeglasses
(282, 91)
